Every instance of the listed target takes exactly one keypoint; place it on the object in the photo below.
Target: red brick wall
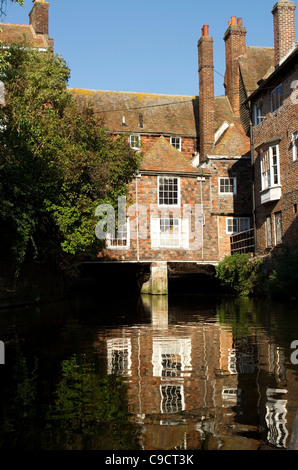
(214, 243)
(191, 193)
(283, 123)
(284, 28)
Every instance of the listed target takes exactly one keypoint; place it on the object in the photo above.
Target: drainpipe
(137, 216)
(253, 175)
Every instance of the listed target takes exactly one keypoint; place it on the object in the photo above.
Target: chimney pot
(205, 30)
(234, 20)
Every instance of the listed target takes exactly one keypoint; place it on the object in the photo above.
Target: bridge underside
(152, 277)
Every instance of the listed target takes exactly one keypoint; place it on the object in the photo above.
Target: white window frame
(176, 142)
(227, 193)
(295, 146)
(276, 101)
(258, 112)
(238, 221)
(132, 137)
(182, 232)
(270, 172)
(119, 242)
(159, 179)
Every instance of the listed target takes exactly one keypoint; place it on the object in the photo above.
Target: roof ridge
(133, 92)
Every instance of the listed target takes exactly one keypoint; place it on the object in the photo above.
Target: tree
(3, 4)
(57, 162)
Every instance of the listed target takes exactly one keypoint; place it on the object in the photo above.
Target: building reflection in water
(186, 381)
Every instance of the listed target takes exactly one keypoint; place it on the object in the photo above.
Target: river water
(151, 373)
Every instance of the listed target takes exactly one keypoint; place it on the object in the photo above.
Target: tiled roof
(161, 114)
(223, 111)
(12, 33)
(254, 65)
(233, 142)
(163, 157)
(290, 60)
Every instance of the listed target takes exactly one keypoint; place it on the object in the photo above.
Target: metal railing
(243, 242)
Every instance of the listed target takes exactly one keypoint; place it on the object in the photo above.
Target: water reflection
(164, 374)
(202, 382)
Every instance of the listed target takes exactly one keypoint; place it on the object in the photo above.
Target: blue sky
(145, 46)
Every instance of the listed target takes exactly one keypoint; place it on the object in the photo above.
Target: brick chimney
(284, 28)
(235, 43)
(39, 17)
(206, 95)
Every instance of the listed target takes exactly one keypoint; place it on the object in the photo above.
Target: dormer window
(135, 141)
(176, 142)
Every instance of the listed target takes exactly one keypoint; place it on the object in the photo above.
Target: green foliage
(275, 275)
(283, 273)
(57, 163)
(240, 274)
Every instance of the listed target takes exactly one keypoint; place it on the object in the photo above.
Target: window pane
(244, 224)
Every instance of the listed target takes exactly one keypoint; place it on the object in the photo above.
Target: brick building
(195, 171)
(195, 184)
(274, 108)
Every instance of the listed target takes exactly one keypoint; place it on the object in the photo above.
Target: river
(149, 373)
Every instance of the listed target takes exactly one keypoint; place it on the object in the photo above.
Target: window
(135, 142)
(278, 228)
(237, 224)
(270, 167)
(121, 240)
(268, 231)
(258, 113)
(172, 398)
(170, 232)
(227, 186)
(295, 146)
(176, 142)
(168, 191)
(276, 101)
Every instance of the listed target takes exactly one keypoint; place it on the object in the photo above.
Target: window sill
(271, 194)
